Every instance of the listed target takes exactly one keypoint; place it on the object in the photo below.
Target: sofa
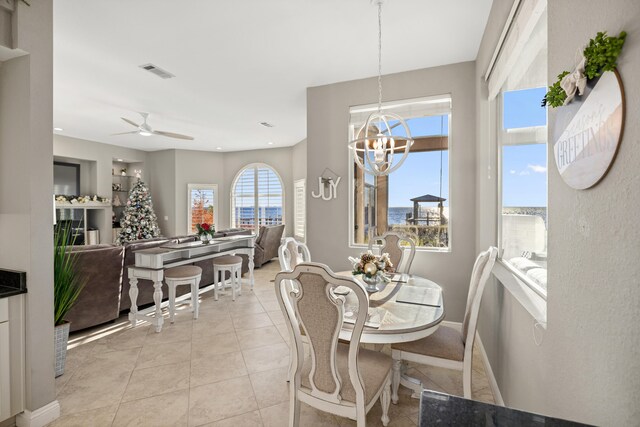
(267, 244)
(104, 271)
(100, 269)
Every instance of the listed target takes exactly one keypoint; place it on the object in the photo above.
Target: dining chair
(448, 347)
(334, 377)
(291, 253)
(392, 244)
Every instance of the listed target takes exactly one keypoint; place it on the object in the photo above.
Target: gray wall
(26, 186)
(587, 366)
(198, 167)
(299, 160)
(161, 166)
(327, 138)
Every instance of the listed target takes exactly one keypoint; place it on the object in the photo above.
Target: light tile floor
(228, 368)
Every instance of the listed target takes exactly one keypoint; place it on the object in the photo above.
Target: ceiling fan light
(145, 133)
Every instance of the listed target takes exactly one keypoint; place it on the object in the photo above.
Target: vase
(61, 338)
(205, 239)
(372, 284)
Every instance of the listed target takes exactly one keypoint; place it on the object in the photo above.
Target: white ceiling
(237, 63)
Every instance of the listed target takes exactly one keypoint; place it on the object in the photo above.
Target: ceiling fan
(145, 130)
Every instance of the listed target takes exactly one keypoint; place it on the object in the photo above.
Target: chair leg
(385, 400)
(395, 380)
(361, 417)
(239, 278)
(172, 300)
(232, 277)
(195, 304)
(466, 377)
(215, 283)
(294, 409)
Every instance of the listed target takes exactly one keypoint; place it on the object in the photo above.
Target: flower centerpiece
(371, 267)
(205, 232)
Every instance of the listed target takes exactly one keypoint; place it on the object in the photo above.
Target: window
(299, 209)
(203, 205)
(414, 198)
(257, 198)
(522, 141)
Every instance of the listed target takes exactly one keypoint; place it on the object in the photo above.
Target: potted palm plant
(67, 286)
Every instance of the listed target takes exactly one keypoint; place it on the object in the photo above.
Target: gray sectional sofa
(103, 268)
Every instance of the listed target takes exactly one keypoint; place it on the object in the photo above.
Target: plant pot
(61, 338)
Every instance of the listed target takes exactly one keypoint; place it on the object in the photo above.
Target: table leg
(133, 296)
(157, 299)
(251, 265)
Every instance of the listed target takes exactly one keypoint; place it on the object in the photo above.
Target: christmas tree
(139, 221)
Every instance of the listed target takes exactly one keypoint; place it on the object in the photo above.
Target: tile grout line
(127, 386)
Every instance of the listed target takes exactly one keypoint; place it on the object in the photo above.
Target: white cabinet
(5, 365)
(11, 356)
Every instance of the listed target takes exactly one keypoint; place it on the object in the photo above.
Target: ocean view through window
(414, 199)
(522, 142)
(257, 198)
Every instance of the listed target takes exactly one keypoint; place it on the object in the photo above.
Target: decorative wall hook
(327, 185)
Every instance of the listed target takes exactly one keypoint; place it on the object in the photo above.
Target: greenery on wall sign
(600, 55)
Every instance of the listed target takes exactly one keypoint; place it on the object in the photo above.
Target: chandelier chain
(379, 56)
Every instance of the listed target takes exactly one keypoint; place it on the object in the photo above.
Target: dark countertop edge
(6, 292)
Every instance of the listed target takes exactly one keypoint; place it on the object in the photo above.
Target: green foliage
(602, 53)
(66, 282)
(556, 95)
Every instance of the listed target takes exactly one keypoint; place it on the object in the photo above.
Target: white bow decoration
(574, 82)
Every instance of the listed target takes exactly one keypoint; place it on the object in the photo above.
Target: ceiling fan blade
(124, 133)
(130, 122)
(173, 135)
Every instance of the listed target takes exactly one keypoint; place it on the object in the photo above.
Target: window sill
(517, 285)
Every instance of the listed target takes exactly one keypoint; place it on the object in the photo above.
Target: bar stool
(232, 264)
(183, 275)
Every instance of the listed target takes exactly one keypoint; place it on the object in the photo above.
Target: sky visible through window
(420, 172)
(524, 167)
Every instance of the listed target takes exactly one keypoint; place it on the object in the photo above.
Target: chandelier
(374, 147)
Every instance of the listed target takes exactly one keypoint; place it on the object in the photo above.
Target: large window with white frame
(415, 197)
(522, 152)
(299, 209)
(257, 197)
(203, 205)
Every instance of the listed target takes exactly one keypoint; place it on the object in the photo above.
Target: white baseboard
(493, 384)
(40, 417)
(497, 396)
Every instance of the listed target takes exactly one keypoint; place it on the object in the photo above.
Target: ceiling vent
(163, 74)
(266, 124)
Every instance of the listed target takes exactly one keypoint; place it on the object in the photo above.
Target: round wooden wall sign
(588, 132)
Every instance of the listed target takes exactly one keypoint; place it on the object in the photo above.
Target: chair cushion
(227, 260)
(374, 369)
(444, 343)
(183, 272)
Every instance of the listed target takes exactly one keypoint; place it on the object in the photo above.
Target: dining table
(404, 307)
(393, 320)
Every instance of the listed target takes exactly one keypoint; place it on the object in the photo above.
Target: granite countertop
(444, 409)
(12, 283)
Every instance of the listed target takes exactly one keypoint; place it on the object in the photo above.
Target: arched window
(257, 197)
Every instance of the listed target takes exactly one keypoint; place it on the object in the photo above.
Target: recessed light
(120, 160)
(58, 129)
(218, 148)
(270, 143)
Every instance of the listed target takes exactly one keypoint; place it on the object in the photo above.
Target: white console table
(151, 263)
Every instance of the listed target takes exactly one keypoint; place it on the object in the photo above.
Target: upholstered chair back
(291, 253)
(314, 307)
(479, 277)
(391, 242)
